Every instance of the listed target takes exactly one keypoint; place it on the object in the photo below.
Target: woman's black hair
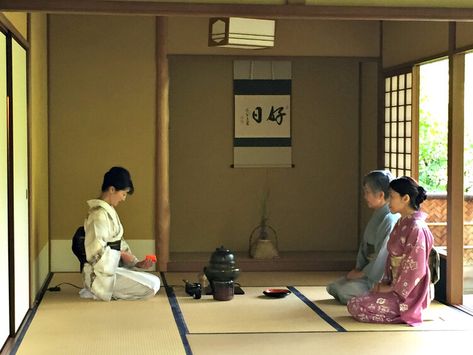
(378, 180)
(406, 185)
(119, 178)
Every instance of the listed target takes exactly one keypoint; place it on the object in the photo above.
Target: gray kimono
(371, 257)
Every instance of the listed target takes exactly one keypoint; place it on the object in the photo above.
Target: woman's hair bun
(422, 195)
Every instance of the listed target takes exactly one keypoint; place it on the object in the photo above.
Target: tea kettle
(222, 266)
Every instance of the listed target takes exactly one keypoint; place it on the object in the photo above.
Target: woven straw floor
(174, 323)
(350, 343)
(68, 325)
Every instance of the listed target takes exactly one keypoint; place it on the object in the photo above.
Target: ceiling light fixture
(238, 32)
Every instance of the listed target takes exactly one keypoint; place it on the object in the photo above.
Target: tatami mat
(362, 343)
(249, 313)
(437, 317)
(305, 322)
(66, 324)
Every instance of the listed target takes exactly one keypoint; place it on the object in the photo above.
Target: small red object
(151, 257)
(276, 292)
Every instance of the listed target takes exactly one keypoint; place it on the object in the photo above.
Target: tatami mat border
(316, 309)
(183, 329)
(177, 313)
(24, 328)
(163, 279)
(30, 315)
(460, 307)
(334, 332)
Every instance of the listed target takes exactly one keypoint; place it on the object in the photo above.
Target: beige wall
(464, 34)
(369, 131)
(38, 146)
(102, 113)
(213, 204)
(189, 35)
(405, 42)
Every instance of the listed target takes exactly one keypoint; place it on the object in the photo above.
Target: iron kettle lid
(222, 255)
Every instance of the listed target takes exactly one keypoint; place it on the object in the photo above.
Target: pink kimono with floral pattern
(410, 243)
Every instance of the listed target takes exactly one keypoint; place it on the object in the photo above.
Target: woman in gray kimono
(109, 272)
(372, 252)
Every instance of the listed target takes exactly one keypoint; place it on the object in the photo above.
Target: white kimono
(103, 277)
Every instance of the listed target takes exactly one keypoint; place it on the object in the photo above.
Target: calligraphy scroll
(262, 99)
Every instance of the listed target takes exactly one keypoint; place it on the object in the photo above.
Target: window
(433, 125)
(398, 124)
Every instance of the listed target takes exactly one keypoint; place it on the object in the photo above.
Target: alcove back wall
(313, 206)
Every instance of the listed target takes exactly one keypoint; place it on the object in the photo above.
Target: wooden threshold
(287, 261)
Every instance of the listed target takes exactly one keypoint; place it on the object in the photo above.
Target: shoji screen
(398, 124)
(20, 182)
(4, 286)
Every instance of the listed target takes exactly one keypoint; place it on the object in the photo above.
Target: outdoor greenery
(433, 126)
(432, 152)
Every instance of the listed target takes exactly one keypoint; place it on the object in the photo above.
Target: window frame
(400, 96)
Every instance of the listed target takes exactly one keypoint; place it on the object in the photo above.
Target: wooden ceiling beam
(290, 11)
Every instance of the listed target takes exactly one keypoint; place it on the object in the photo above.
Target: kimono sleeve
(414, 264)
(382, 236)
(376, 272)
(97, 232)
(361, 260)
(125, 247)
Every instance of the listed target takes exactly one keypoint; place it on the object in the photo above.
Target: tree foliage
(433, 151)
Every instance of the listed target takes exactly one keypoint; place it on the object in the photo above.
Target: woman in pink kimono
(403, 293)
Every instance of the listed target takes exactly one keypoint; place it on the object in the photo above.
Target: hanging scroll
(262, 99)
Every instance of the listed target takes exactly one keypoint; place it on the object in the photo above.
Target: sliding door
(4, 279)
(20, 183)
(398, 144)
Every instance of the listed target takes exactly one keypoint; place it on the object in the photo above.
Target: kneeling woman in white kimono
(108, 273)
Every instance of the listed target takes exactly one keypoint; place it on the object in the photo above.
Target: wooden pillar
(163, 214)
(455, 174)
(415, 122)
(381, 163)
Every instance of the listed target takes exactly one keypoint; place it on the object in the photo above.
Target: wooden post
(381, 163)
(415, 122)
(163, 214)
(455, 174)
